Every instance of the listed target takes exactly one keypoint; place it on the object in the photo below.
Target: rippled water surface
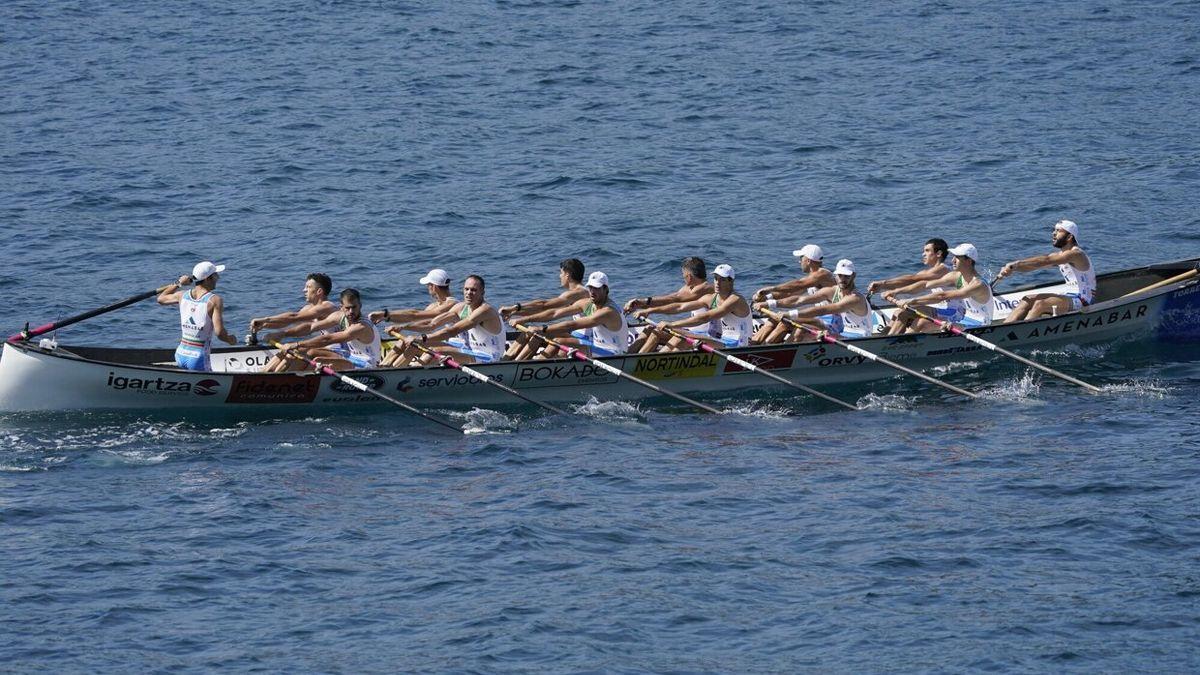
(1038, 528)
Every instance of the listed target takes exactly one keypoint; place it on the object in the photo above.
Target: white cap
(597, 280)
(810, 251)
(966, 251)
(845, 266)
(1068, 226)
(437, 277)
(205, 270)
(723, 271)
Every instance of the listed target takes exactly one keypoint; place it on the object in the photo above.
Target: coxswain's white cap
(437, 277)
(723, 271)
(597, 280)
(966, 251)
(205, 270)
(810, 251)
(1068, 226)
(845, 266)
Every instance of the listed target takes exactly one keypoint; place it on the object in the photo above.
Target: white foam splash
(1023, 388)
(760, 410)
(956, 367)
(1147, 388)
(484, 421)
(139, 457)
(887, 402)
(1071, 352)
(610, 410)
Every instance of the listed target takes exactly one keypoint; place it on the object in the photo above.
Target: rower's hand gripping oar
(827, 338)
(576, 354)
(1000, 350)
(55, 325)
(349, 381)
(704, 346)
(449, 362)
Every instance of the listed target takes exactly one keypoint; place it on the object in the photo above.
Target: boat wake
(950, 368)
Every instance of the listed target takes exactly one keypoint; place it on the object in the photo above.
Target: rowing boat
(45, 376)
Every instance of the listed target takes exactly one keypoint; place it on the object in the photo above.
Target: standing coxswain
(598, 325)
(815, 278)
(471, 331)
(695, 286)
(724, 316)
(965, 298)
(840, 309)
(1075, 266)
(317, 306)
(437, 283)
(347, 340)
(201, 315)
(570, 279)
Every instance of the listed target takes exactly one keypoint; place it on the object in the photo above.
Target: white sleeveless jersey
(195, 323)
(478, 339)
(364, 352)
(852, 322)
(615, 341)
(1080, 282)
(733, 328)
(980, 312)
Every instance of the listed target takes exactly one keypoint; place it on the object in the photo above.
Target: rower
(598, 326)
(933, 256)
(316, 306)
(840, 309)
(437, 283)
(726, 315)
(472, 331)
(347, 339)
(1073, 264)
(815, 278)
(966, 296)
(570, 279)
(695, 286)
(201, 315)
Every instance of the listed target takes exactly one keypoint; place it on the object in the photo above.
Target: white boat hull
(66, 378)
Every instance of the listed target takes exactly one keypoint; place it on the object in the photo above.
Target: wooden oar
(696, 342)
(449, 362)
(1165, 282)
(576, 354)
(55, 325)
(349, 381)
(826, 337)
(1000, 350)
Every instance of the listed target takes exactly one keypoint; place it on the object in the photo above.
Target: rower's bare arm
(470, 321)
(799, 300)
(217, 307)
(552, 314)
(171, 295)
(677, 307)
(707, 315)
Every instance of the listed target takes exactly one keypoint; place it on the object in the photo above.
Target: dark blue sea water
(1039, 529)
